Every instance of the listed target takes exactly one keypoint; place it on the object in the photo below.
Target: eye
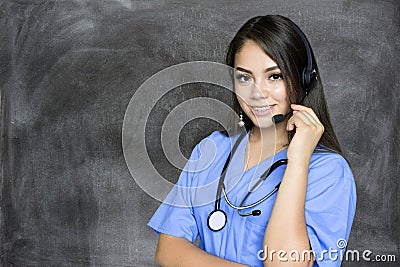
(275, 77)
(243, 78)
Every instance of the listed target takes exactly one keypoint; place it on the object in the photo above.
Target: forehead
(252, 56)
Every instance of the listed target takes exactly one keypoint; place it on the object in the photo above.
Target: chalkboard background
(69, 68)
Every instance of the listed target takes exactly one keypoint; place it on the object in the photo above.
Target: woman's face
(259, 85)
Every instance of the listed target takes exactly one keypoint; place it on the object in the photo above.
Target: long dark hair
(276, 35)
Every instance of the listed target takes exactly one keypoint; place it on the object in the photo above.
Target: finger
(310, 111)
(310, 116)
(298, 107)
(300, 119)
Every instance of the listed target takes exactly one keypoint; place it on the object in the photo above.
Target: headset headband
(309, 74)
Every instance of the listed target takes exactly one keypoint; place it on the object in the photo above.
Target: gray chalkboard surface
(68, 70)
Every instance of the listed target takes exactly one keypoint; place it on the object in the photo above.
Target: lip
(261, 112)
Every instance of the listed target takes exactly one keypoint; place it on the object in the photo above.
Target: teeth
(262, 108)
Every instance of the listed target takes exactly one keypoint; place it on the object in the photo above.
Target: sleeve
(175, 215)
(329, 209)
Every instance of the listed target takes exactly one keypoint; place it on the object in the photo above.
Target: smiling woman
(307, 205)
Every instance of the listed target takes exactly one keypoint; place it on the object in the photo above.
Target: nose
(259, 90)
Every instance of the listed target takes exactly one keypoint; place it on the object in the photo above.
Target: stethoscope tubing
(221, 185)
(224, 169)
(248, 193)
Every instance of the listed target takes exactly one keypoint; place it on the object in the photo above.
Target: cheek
(280, 94)
(242, 103)
(242, 95)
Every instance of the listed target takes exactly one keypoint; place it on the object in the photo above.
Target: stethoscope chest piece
(216, 220)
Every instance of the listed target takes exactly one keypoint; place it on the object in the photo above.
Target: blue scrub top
(329, 207)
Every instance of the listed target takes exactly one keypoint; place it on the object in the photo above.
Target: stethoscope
(217, 219)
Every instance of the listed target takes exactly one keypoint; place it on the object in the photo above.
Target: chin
(263, 123)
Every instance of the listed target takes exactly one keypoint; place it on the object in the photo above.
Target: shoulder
(216, 140)
(330, 180)
(329, 165)
(210, 149)
(218, 136)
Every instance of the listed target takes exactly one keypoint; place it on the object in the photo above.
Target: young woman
(303, 210)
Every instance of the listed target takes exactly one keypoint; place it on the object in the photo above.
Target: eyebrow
(249, 71)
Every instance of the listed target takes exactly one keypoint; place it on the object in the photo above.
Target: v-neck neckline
(243, 145)
(235, 172)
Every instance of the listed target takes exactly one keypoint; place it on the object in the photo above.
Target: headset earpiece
(313, 79)
(309, 79)
(306, 80)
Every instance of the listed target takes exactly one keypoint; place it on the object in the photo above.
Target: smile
(260, 110)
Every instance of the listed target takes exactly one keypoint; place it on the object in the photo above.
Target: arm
(286, 229)
(176, 251)
(175, 222)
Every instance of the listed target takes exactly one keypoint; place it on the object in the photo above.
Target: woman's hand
(308, 132)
